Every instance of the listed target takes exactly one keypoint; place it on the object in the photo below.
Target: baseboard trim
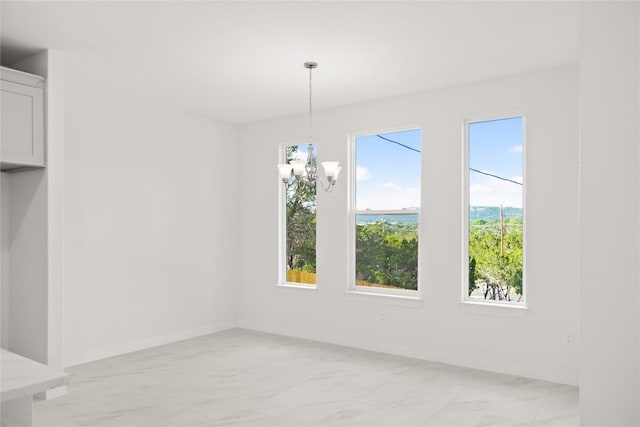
(417, 353)
(52, 393)
(129, 347)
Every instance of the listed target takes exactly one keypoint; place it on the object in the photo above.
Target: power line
(471, 169)
(399, 143)
(495, 176)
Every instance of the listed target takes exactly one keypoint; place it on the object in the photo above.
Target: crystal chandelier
(305, 172)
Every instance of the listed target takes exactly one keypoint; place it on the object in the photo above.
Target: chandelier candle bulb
(285, 172)
(331, 170)
(299, 168)
(335, 177)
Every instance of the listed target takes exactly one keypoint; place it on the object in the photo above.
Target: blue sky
(496, 147)
(388, 175)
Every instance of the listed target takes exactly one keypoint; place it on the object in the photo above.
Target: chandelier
(305, 172)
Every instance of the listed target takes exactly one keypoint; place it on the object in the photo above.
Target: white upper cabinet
(21, 120)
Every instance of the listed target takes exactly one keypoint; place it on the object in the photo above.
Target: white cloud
(488, 191)
(392, 186)
(390, 195)
(299, 155)
(412, 190)
(362, 173)
(516, 149)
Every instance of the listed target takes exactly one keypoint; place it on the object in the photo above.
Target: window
(494, 220)
(299, 218)
(386, 208)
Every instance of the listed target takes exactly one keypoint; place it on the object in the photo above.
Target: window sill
(495, 309)
(295, 289)
(392, 299)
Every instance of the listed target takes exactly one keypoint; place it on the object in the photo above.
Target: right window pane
(495, 210)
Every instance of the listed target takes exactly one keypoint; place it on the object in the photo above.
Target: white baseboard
(52, 393)
(537, 373)
(129, 347)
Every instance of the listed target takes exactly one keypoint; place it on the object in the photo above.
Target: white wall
(609, 85)
(149, 231)
(4, 259)
(437, 329)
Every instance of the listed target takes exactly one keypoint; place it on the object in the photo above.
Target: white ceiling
(242, 61)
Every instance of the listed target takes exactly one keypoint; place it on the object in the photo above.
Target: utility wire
(399, 143)
(471, 169)
(495, 176)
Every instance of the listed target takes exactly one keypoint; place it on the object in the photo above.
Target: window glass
(495, 221)
(387, 206)
(388, 171)
(300, 224)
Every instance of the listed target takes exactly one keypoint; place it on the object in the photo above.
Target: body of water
(487, 213)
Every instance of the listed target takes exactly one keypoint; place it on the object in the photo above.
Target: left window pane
(300, 223)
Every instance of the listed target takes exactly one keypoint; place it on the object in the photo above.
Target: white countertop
(22, 377)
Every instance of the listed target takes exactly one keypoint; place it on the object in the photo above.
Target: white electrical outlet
(569, 338)
(383, 316)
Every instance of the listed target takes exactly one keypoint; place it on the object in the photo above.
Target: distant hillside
(398, 219)
(489, 213)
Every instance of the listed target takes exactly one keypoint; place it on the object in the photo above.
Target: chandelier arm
(329, 186)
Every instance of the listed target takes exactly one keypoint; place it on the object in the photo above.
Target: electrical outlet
(383, 316)
(569, 338)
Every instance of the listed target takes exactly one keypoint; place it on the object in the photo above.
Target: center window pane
(387, 200)
(387, 251)
(388, 171)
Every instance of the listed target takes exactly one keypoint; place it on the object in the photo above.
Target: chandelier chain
(310, 108)
(305, 173)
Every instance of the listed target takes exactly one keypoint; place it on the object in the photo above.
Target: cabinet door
(21, 125)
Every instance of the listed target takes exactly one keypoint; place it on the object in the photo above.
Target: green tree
(300, 222)
(473, 275)
(387, 254)
(370, 252)
(497, 264)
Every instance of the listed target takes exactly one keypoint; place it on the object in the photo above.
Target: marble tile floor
(246, 378)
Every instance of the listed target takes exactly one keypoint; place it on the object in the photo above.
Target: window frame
(282, 224)
(353, 212)
(465, 211)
